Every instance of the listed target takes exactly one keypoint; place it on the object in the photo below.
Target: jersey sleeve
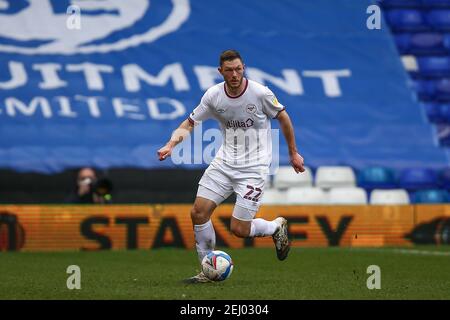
(271, 106)
(202, 112)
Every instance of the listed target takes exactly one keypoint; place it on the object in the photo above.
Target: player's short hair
(229, 55)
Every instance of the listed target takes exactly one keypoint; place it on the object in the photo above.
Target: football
(217, 265)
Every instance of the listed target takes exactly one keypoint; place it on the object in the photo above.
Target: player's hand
(164, 152)
(297, 163)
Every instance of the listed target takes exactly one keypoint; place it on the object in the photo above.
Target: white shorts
(216, 185)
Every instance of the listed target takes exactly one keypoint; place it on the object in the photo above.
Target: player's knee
(199, 215)
(240, 231)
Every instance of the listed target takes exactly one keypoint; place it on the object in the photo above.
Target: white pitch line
(422, 252)
(404, 251)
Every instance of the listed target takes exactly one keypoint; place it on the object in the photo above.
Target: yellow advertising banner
(54, 228)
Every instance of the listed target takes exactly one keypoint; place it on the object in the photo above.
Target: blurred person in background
(91, 189)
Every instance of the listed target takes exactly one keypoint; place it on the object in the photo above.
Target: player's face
(233, 73)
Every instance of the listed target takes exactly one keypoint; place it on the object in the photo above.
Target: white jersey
(245, 125)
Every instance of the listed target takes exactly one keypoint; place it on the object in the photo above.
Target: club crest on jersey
(239, 124)
(250, 108)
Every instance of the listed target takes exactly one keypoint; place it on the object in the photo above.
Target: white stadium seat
(392, 196)
(335, 176)
(347, 195)
(307, 195)
(273, 196)
(287, 178)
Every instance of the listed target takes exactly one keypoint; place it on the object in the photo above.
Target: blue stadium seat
(423, 43)
(437, 3)
(406, 20)
(425, 89)
(377, 178)
(443, 132)
(438, 19)
(444, 112)
(427, 43)
(443, 89)
(433, 111)
(446, 41)
(445, 178)
(400, 3)
(418, 178)
(403, 42)
(431, 196)
(434, 66)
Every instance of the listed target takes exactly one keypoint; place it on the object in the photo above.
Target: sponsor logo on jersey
(239, 124)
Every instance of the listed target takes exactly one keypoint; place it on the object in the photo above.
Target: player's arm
(178, 135)
(288, 132)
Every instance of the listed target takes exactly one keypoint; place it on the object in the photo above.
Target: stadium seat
(393, 196)
(426, 43)
(443, 133)
(438, 19)
(403, 42)
(444, 112)
(286, 178)
(443, 89)
(406, 20)
(309, 195)
(425, 89)
(335, 176)
(376, 178)
(433, 111)
(437, 3)
(444, 179)
(350, 195)
(434, 66)
(400, 3)
(418, 178)
(431, 196)
(273, 196)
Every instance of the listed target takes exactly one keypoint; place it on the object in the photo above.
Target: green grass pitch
(308, 273)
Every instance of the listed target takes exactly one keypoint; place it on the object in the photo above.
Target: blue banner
(104, 83)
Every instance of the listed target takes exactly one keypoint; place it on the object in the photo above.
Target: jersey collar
(243, 91)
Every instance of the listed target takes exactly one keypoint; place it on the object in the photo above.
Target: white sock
(262, 228)
(205, 239)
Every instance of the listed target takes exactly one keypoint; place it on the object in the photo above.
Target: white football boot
(200, 278)
(281, 239)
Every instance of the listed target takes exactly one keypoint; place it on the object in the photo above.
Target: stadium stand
(350, 137)
(421, 33)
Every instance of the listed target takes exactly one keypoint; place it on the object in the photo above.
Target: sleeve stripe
(278, 113)
(191, 121)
